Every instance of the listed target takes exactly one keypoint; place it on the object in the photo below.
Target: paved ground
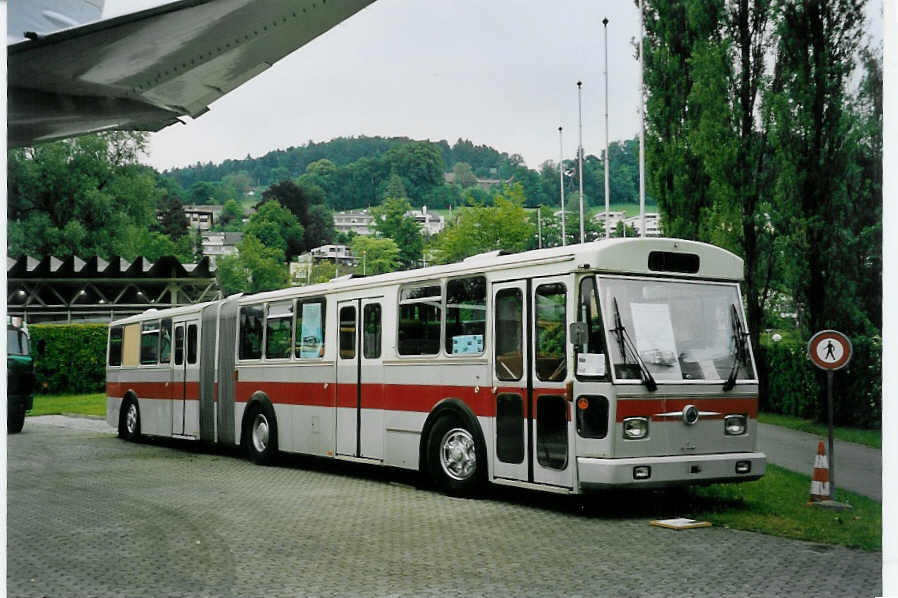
(858, 468)
(91, 515)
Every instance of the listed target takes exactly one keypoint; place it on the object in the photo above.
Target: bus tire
(15, 421)
(261, 434)
(454, 461)
(129, 421)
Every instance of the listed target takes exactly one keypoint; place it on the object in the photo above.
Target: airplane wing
(142, 71)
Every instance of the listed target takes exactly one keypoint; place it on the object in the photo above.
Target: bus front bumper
(650, 472)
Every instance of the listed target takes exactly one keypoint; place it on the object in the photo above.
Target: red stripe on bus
(655, 407)
(154, 390)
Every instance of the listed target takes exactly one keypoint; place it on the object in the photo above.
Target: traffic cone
(820, 481)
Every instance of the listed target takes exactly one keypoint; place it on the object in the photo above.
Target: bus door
(550, 404)
(360, 430)
(510, 381)
(529, 377)
(185, 379)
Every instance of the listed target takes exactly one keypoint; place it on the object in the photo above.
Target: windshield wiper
(739, 352)
(625, 343)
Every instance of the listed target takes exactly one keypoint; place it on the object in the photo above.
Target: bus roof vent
(339, 278)
(486, 256)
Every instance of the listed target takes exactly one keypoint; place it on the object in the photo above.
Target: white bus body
(469, 371)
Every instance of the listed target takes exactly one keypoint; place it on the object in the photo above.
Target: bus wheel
(15, 421)
(129, 425)
(262, 435)
(453, 460)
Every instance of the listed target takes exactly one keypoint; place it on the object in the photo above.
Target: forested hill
(281, 164)
(353, 173)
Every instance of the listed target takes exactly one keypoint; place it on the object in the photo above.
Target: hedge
(798, 388)
(69, 358)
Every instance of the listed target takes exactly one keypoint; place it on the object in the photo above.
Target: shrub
(798, 388)
(69, 358)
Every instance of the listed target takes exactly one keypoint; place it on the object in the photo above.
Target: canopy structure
(72, 289)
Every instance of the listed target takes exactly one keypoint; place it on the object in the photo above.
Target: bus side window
(347, 332)
(279, 330)
(192, 343)
(551, 332)
(131, 345)
(371, 331)
(149, 342)
(420, 313)
(309, 336)
(588, 313)
(115, 345)
(179, 345)
(251, 329)
(509, 334)
(465, 315)
(165, 342)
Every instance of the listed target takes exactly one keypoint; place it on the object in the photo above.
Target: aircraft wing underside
(144, 70)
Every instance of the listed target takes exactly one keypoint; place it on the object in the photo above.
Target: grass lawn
(777, 505)
(87, 404)
(860, 436)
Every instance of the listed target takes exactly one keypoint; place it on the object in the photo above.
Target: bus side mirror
(578, 333)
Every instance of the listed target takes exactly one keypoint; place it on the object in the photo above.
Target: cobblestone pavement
(92, 515)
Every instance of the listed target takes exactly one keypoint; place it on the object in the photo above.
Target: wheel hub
(458, 456)
(260, 433)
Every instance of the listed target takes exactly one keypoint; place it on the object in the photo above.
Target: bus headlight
(636, 428)
(734, 425)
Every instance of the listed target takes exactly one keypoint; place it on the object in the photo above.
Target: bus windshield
(16, 342)
(675, 330)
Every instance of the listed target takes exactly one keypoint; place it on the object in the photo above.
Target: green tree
(391, 220)
(253, 269)
(231, 218)
(171, 220)
(202, 193)
(375, 255)
(810, 119)
(478, 229)
(276, 227)
(463, 175)
(307, 203)
(76, 197)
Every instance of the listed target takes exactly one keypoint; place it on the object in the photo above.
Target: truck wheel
(453, 459)
(15, 421)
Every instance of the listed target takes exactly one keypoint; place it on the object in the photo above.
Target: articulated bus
(615, 363)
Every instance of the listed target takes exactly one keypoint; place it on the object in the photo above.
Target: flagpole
(607, 181)
(641, 126)
(561, 178)
(580, 151)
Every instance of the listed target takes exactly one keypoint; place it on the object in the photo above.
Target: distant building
(361, 222)
(652, 224)
(429, 222)
(485, 184)
(202, 217)
(358, 221)
(333, 253)
(613, 219)
(216, 244)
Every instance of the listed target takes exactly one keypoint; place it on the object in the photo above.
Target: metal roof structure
(70, 289)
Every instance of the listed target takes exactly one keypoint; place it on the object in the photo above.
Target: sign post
(830, 350)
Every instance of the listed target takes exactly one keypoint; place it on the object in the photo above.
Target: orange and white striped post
(820, 489)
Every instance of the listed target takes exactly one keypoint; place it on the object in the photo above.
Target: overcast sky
(501, 73)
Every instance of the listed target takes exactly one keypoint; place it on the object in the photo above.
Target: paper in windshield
(655, 340)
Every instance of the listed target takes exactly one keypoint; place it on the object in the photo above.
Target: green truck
(19, 375)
